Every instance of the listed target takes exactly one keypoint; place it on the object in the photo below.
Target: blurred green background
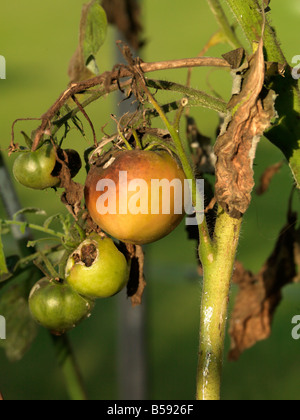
(38, 39)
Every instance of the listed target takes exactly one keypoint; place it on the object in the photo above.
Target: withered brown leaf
(136, 284)
(235, 57)
(74, 192)
(260, 294)
(267, 177)
(248, 117)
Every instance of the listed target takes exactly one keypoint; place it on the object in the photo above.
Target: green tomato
(57, 307)
(97, 269)
(34, 169)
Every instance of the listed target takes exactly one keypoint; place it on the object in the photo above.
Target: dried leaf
(249, 116)
(136, 284)
(267, 177)
(74, 192)
(204, 163)
(260, 294)
(125, 14)
(203, 154)
(235, 58)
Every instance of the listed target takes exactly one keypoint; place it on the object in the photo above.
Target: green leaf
(93, 31)
(285, 132)
(21, 329)
(50, 219)
(32, 244)
(28, 140)
(11, 265)
(31, 210)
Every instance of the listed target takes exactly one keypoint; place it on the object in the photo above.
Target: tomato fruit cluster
(97, 268)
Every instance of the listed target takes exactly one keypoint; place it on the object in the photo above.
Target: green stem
(34, 227)
(69, 367)
(188, 170)
(137, 140)
(218, 269)
(249, 15)
(224, 24)
(196, 97)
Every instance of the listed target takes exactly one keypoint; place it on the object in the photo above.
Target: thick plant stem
(69, 368)
(249, 15)
(218, 269)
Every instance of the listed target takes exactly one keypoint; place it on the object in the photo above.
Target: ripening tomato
(137, 196)
(57, 307)
(97, 269)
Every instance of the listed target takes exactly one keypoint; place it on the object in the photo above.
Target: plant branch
(196, 98)
(250, 15)
(69, 367)
(32, 226)
(87, 118)
(109, 78)
(218, 269)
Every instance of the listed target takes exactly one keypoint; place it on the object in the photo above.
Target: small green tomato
(57, 307)
(34, 169)
(39, 170)
(97, 269)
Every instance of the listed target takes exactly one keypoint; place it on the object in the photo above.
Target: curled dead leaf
(137, 283)
(250, 114)
(74, 192)
(260, 294)
(267, 177)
